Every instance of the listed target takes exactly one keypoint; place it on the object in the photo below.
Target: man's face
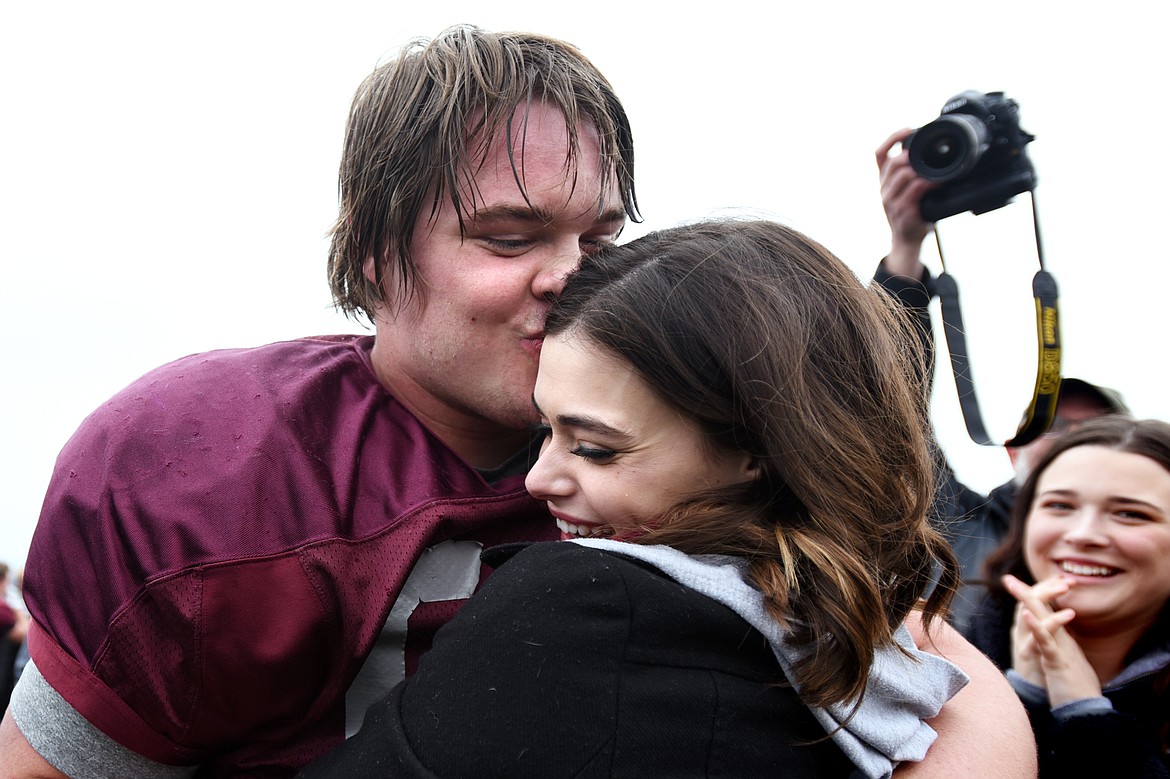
(462, 355)
(1071, 411)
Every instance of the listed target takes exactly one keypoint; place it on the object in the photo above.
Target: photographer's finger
(897, 177)
(883, 151)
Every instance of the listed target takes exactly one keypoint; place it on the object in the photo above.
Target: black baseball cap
(1107, 398)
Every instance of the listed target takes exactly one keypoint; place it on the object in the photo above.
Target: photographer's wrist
(904, 259)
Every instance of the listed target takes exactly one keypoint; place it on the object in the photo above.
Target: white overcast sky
(168, 174)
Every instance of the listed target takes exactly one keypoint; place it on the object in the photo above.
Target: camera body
(975, 152)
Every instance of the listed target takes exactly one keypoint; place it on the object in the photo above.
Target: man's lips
(532, 344)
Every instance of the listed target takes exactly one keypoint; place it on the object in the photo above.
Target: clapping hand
(1043, 651)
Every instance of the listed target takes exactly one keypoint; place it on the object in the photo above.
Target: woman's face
(1101, 519)
(615, 456)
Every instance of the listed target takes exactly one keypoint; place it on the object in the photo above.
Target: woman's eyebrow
(587, 423)
(1058, 492)
(1121, 499)
(590, 424)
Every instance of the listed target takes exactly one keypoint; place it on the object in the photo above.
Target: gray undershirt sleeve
(67, 740)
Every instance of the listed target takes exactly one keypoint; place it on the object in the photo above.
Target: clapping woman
(1078, 610)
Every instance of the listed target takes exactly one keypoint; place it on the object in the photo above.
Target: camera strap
(1042, 407)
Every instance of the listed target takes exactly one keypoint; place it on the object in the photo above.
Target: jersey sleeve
(243, 664)
(70, 743)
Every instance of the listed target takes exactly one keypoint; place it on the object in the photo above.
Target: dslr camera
(975, 151)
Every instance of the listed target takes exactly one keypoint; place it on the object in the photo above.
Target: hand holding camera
(901, 191)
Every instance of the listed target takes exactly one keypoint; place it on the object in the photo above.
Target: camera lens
(949, 147)
(941, 154)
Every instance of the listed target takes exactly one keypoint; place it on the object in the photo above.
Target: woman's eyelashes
(588, 451)
(1136, 514)
(594, 453)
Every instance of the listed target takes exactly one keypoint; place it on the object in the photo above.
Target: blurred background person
(22, 649)
(13, 628)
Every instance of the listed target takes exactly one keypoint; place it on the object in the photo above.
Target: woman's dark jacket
(1123, 743)
(575, 662)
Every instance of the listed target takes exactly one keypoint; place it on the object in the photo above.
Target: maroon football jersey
(224, 541)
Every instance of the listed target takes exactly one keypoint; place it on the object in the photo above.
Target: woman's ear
(732, 466)
(750, 468)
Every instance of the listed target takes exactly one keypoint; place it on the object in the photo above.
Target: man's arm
(982, 731)
(18, 760)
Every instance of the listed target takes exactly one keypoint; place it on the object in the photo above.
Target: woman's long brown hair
(773, 347)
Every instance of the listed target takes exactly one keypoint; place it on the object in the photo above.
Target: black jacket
(1122, 743)
(576, 662)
